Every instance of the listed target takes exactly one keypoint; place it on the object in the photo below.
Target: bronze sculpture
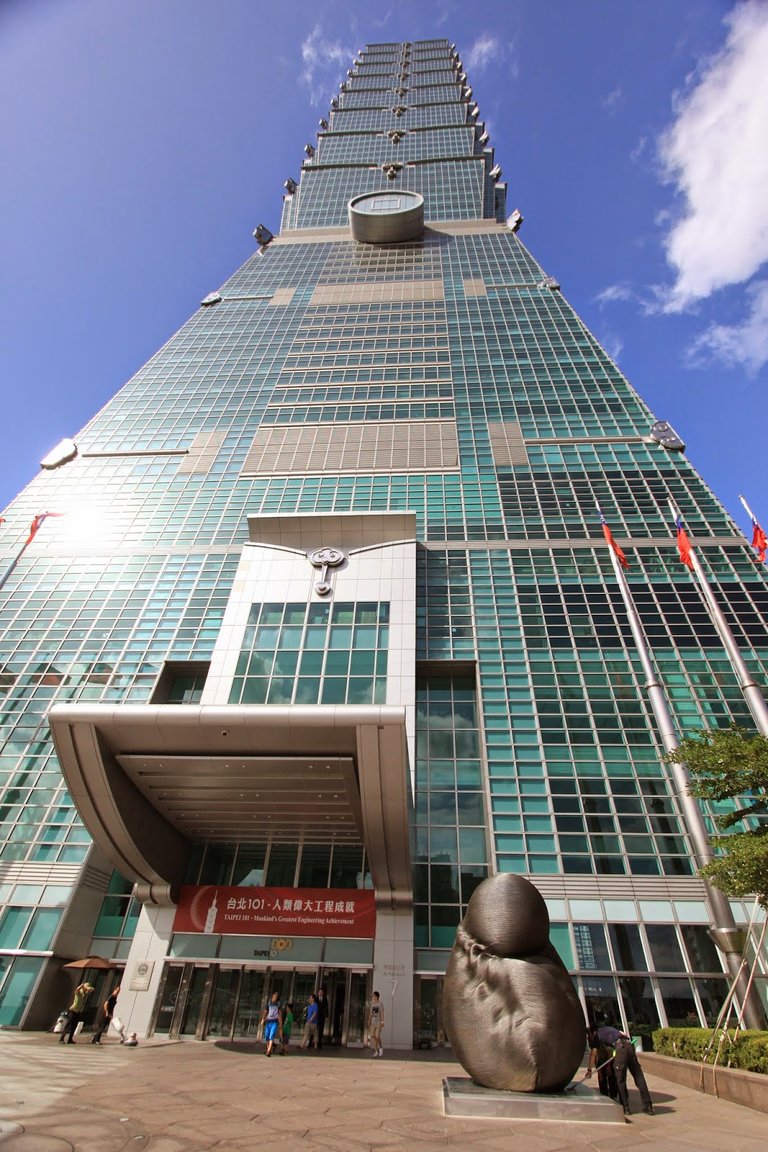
(512, 1014)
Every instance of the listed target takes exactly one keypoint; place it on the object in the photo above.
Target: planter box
(747, 1088)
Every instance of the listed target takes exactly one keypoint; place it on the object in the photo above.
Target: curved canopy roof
(151, 780)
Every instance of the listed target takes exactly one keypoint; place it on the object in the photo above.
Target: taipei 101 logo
(204, 909)
(210, 920)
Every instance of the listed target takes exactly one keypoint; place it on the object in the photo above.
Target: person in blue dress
(272, 1021)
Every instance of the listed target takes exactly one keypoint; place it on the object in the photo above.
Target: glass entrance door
(249, 1006)
(221, 1014)
(357, 1014)
(167, 997)
(193, 1013)
(181, 1008)
(334, 981)
(212, 1000)
(428, 1030)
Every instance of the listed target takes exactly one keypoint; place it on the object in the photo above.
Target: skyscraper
(324, 628)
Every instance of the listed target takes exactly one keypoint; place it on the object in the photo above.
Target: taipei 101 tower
(349, 628)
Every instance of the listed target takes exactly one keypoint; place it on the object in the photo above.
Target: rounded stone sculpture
(511, 1011)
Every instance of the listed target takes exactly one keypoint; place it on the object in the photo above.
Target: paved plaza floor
(192, 1097)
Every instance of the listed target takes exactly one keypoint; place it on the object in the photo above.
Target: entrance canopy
(151, 780)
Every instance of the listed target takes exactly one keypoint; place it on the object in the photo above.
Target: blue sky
(142, 142)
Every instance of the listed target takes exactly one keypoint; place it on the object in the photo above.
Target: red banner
(286, 911)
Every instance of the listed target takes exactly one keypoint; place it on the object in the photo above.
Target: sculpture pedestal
(580, 1104)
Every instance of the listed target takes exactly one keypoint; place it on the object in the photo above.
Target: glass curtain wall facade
(446, 376)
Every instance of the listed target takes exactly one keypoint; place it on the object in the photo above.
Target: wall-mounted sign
(271, 911)
(141, 976)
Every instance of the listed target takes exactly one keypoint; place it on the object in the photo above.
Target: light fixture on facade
(64, 451)
(262, 235)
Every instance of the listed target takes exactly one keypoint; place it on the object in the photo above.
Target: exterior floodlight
(484, 138)
(495, 172)
(290, 186)
(474, 112)
(310, 150)
(262, 235)
(323, 124)
(334, 104)
(64, 451)
(468, 93)
(515, 220)
(663, 433)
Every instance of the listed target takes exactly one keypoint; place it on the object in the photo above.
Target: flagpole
(747, 683)
(726, 934)
(33, 530)
(748, 510)
(10, 566)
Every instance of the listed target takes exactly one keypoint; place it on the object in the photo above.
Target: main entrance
(223, 1001)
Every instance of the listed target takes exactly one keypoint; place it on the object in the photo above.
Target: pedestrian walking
(108, 1011)
(310, 1026)
(376, 1024)
(273, 1022)
(322, 1015)
(287, 1027)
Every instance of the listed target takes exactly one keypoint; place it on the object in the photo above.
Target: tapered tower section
(326, 630)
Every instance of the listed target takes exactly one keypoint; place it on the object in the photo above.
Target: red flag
(683, 545)
(759, 541)
(610, 540)
(36, 524)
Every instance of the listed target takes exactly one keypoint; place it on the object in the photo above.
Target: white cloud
(637, 152)
(324, 61)
(484, 51)
(613, 293)
(488, 50)
(613, 345)
(716, 155)
(612, 99)
(742, 345)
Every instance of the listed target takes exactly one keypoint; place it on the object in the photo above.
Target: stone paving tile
(193, 1097)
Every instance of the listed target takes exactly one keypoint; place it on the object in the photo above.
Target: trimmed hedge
(749, 1051)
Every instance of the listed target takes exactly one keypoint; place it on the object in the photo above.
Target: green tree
(728, 764)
